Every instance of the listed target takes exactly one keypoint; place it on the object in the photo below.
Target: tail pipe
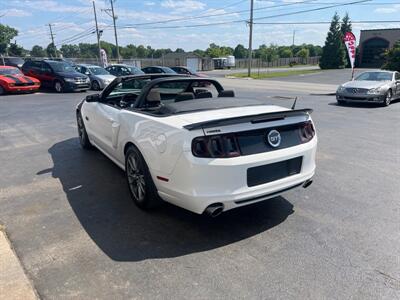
(307, 183)
(214, 210)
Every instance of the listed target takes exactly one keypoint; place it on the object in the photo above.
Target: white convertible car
(189, 142)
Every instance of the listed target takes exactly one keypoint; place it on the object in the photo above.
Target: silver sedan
(373, 86)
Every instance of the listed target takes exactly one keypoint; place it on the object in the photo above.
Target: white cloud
(388, 10)
(13, 12)
(181, 6)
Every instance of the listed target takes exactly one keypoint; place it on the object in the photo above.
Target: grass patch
(262, 75)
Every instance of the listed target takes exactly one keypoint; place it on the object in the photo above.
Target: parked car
(123, 70)
(58, 75)
(12, 61)
(373, 86)
(12, 80)
(158, 70)
(200, 149)
(99, 77)
(187, 71)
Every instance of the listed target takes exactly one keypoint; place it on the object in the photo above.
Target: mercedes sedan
(373, 86)
(202, 149)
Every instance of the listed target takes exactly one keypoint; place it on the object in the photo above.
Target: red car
(13, 80)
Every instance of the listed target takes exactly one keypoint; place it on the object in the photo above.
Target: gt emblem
(274, 138)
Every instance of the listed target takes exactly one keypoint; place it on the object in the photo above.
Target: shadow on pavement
(98, 194)
(365, 105)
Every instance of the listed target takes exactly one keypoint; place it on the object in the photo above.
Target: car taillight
(307, 132)
(217, 146)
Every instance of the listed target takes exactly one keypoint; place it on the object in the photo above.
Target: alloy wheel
(136, 180)
(58, 87)
(81, 128)
(388, 98)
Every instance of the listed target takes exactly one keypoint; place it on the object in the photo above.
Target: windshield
(136, 70)
(98, 71)
(61, 67)
(133, 86)
(375, 76)
(10, 71)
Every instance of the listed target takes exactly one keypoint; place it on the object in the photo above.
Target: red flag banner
(350, 42)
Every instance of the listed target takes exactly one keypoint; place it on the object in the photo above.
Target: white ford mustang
(189, 142)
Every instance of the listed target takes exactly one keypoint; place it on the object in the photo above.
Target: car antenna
(294, 103)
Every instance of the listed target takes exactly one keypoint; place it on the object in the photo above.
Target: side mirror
(93, 98)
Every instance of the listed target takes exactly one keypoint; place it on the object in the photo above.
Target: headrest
(154, 96)
(226, 93)
(184, 97)
(202, 95)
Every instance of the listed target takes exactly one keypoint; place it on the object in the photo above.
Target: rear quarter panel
(160, 140)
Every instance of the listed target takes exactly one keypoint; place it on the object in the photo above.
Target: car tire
(141, 186)
(341, 102)
(83, 137)
(388, 98)
(95, 86)
(58, 86)
(2, 90)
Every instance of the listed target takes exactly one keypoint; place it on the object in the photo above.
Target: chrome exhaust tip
(214, 210)
(307, 183)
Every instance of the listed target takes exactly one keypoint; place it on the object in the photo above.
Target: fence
(280, 62)
(207, 63)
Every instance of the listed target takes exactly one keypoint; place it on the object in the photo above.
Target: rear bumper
(360, 98)
(197, 183)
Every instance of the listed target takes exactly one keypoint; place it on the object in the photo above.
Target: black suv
(58, 75)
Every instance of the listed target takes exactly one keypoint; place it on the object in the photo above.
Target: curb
(14, 283)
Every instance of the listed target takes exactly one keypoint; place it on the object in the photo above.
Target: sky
(164, 23)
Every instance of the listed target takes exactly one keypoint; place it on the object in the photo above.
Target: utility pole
(52, 38)
(251, 36)
(294, 34)
(97, 32)
(115, 27)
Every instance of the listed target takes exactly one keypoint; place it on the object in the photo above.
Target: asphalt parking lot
(71, 222)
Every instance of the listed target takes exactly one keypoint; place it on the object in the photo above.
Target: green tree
(286, 53)
(213, 51)
(179, 50)
(200, 52)
(7, 33)
(240, 51)
(333, 52)
(141, 51)
(38, 51)
(51, 50)
(303, 54)
(346, 27)
(393, 58)
(70, 50)
(15, 50)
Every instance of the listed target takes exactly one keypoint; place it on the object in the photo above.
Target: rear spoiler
(259, 118)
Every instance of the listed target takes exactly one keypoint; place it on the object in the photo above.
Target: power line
(245, 20)
(325, 22)
(205, 15)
